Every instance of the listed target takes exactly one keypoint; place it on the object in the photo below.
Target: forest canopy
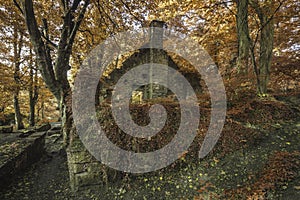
(253, 44)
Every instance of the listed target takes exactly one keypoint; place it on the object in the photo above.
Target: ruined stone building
(148, 55)
(85, 171)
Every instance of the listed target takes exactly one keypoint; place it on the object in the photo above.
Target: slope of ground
(264, 165)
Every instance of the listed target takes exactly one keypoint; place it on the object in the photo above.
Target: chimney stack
(156, 34)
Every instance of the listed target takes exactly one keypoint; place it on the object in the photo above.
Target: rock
(44, 127)
(53, 132)
(6, 129)
(56, 126)
(26, 133)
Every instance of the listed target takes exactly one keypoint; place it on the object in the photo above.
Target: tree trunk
(33, 97)
(17, 48)
(54, 66)
(243, 35)
(55, 74)
(18, 117)
(31, 110)
(41, 110)
(265, 15)
(266, 50)
(66, 116)
(33, 92)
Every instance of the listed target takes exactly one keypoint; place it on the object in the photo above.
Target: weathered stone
(6, 129)
(37, 135)
(31, 150)
(53, 132)
(80, 157)
(95, 167)
(79, 168)
(26, 133)
(84, 169)
(44, 127)
(76, 146)
(79, 180)
(55, 126)
(87, 178)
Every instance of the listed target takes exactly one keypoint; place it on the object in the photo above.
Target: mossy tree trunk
(17, 49)
(266, 50)
(55, 73)
(243, 35)
(33, 91)
(265, 14)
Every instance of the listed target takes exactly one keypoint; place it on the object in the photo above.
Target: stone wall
(6, 129)
(86, 173)
(30, 150)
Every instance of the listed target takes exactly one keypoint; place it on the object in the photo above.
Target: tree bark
(17, 48)
(265, 16)
(18, 116)
(55, 73)
(266, 50)
(243, 35)
(33, 94)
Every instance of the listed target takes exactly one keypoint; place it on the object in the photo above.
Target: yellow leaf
(297, 187)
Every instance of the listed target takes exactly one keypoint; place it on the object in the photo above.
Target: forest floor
(263, 163)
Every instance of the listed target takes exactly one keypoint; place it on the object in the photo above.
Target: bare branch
(50, 43)
(130, 11)
(18, 6)
(257, 8)
(78, 22)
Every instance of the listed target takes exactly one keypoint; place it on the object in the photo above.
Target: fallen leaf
(297, 187)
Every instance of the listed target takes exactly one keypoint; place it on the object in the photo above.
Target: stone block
(95, 167)
(77, 168)
(80, 157)
(6, 129)
(44, 127)
(26, 133)
(76, 146)
(53, 132)
(56, 126)
(87, 178)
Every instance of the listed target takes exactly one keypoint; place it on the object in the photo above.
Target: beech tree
(243, 35)
(265, 10)
(32, 89)
(54, 66)
(13, 38)
(17, 50)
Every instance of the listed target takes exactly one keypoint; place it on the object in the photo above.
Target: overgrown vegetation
(255, 47)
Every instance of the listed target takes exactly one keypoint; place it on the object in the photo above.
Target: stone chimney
(156, 33)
